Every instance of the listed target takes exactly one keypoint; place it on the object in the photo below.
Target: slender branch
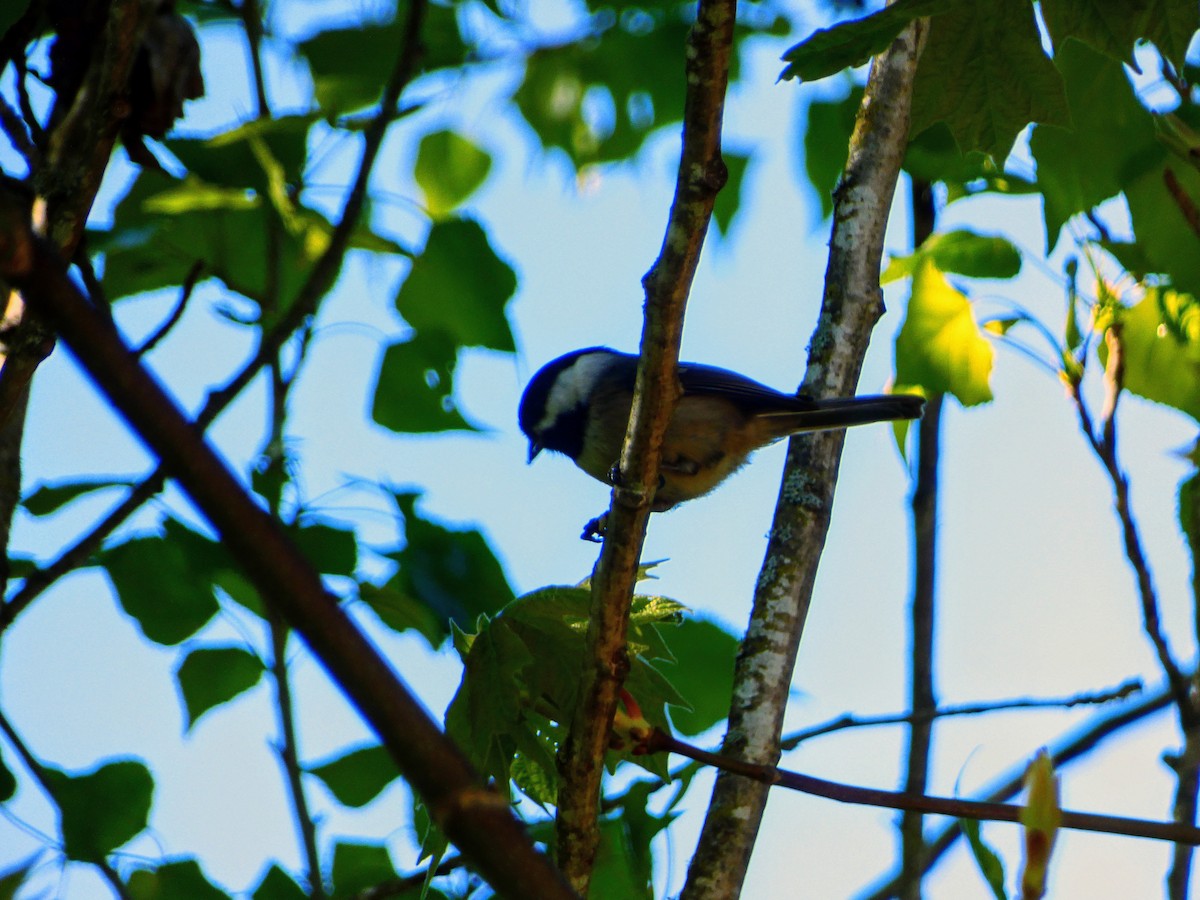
(475, 818)
(1104, 446)
(1070, 750)
(701, 174)
(319, 280)
(851, 305)
(923, 609)
(1187, 206)
(1121, 692)
(772, 776)
(185, 294)
(396, 887)
(18, 135)
(38, 772)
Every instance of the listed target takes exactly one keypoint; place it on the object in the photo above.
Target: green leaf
(359, 776)
(165, 583)
(730, 196)
(449, 168)
(933, 155)
(400, 612)
(278, 885)
(616, 871)
(228, 159)
(963, 252)
(1112, 139)
(358, 866)
(990, 865)
(173, 880)
(12, 879)
(331, 550)
(350, 65)
(704, 656)
(414, 387)
(940, 347)
(521, 678)
(459, 287)
(103, 809)
(641, 95)
(210, 676)
(827, 143)
(453, 573)
(1112, 26)
(50, 498)
(1161, 228)
(1160, 336)
(848, 44)
(985, 75)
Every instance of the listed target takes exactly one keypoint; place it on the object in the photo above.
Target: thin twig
(1187, 206)
(1104, 446)
(1065, 752)
(923, 608)
(947, 806)
(794, 740)
(185, 294)
(18, 135)
(701, 174)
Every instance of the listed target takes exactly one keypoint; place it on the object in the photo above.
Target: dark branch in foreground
(319, 280)
(701, 174)
(474, 817)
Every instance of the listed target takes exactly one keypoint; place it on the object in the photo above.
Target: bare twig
(841, 723)
(923, 609)
(185, 294)
(701, 174)
(852, 304)
(1104, 446)
(1063, 753)
(475, 818)
(946, 806)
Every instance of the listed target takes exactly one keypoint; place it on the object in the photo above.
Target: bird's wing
(699, 379)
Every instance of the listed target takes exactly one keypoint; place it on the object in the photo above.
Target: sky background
(1034, 593)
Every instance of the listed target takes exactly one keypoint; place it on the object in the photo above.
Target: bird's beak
(534, 449)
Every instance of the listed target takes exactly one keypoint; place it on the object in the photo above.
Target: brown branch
(1104, 446)
(475, 818)
(319, 280)
(701, 174)
(923, 609)
(947, 806)
(851, 305)
(185, 294)
(1187, 206)
(1070, 750)
(841, 723)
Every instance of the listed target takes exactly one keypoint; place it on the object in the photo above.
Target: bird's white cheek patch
(572, 387)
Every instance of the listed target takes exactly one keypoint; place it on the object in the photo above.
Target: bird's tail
(843, 412)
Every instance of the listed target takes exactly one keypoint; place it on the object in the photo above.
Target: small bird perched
(579, 405)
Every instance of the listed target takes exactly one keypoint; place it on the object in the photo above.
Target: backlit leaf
(358, 777)
(103, 809)
(449, 168)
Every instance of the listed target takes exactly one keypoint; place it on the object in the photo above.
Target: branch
(1086, 740)
(794, 740)
(851, 306)
(319, 280)
(475, 818)
(1104, 446)
(701, 174)
(659, 742)
(923, 610)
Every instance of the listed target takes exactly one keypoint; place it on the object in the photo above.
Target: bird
(579, 405)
